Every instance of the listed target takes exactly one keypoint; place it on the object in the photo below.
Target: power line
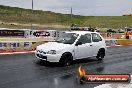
(32, 13)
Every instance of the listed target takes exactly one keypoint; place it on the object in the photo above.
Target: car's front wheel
(101, 54)
(66, 59)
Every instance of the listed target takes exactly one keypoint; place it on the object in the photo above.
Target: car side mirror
(78, 43)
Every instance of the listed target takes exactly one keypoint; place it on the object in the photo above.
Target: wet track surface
(25, 71)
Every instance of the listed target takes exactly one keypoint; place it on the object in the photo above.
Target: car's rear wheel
(101, 54)
(66, 59)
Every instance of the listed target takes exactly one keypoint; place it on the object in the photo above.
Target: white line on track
(17, 52)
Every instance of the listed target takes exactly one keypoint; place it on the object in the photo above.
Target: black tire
(101, 54)
(66, 59)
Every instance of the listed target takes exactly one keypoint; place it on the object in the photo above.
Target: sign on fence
(15, 45)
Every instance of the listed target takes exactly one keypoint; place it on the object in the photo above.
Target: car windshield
(67, 38)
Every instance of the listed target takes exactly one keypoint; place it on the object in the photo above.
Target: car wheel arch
(63, 60)
(67, 53)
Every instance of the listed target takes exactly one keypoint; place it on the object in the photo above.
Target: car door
(84, 50)
(96, 42)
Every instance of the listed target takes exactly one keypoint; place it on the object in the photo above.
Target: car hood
(52, 46)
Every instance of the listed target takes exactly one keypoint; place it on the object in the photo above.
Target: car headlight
(51, 52)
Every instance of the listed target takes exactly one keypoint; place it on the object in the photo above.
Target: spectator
(127, 34)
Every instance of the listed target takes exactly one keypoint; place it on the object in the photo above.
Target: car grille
(40, 51)
(41, 56)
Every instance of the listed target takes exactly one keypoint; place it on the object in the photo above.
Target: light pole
(32, 5)
(71, 16)
(32, 13)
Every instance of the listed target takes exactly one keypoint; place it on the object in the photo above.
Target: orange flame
(81, 71)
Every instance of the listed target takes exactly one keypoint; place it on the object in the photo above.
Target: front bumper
(48, 57)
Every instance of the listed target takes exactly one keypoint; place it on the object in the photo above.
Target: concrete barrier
(20, 44)
(14, 45)
(112, 42)
(124, 41)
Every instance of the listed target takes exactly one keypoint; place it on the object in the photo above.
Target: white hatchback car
(71, 46)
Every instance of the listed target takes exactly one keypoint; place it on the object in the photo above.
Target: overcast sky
(80, 7)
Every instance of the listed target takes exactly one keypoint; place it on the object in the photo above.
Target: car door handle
(91, 45)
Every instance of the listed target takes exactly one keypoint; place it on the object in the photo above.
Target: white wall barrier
(26, 33)
(45, 33)
(32, 38)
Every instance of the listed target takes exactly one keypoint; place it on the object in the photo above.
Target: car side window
(88, 38)
(96, 37)
(85, 38)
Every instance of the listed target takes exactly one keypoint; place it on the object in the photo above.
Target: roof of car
(80, 32)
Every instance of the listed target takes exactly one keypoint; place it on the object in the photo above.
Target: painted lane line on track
(118, 45)
(17, 52)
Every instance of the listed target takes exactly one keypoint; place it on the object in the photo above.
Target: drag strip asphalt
(25, 71)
